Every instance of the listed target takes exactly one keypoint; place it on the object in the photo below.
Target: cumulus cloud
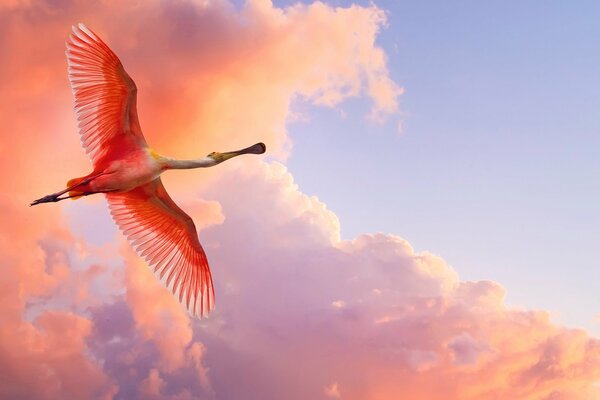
(300, 313)
(43, 351)
(408, 324)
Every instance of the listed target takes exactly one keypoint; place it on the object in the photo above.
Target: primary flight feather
(128, 172)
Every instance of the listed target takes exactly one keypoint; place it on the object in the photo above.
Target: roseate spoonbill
(128, 172)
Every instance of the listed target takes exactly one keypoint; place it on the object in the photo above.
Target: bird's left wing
(105, 96)
(165, 236)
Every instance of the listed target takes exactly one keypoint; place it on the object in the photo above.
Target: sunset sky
(423, 226)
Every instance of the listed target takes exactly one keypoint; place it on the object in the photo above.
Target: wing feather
(105, 96)
(165, 236)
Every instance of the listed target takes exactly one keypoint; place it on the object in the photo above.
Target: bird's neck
(173, 163)
(210, 160)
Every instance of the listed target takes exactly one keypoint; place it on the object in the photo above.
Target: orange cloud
(42, 351)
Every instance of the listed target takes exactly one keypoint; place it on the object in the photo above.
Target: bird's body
(128, 172)
(125, 173)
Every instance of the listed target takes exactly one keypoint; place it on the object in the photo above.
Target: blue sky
(496, 169)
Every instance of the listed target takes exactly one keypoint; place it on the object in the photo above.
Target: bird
(127, 171)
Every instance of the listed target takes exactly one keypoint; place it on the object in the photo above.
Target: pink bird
(128, 172)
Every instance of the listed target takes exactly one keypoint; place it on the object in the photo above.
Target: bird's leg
(54, 197)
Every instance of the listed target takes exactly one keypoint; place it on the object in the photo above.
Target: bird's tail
(77, 192)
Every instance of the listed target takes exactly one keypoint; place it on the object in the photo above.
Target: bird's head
(258, 148)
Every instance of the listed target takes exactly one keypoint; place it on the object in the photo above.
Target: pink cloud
(300, 313)
(407, 320)
(152, 386)
(43, 351)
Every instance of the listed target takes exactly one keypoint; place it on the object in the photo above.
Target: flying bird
(128, 172)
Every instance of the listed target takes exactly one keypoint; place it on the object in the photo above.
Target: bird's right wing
(105, 96)
(165, 236)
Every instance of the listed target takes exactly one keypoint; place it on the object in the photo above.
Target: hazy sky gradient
(485, 198)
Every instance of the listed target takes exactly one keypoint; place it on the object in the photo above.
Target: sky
(494, 169)
(422, 226)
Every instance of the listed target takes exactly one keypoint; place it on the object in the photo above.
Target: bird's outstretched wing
(165, 236)
(105, 96)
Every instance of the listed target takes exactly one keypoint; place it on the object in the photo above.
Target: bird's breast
(129, 172)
